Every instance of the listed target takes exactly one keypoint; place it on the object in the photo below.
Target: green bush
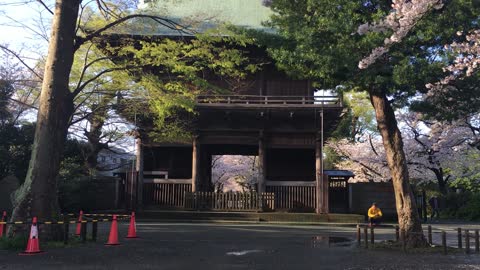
(77, 194)
(464, 205)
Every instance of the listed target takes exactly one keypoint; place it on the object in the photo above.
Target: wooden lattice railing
(229, 201)
(309, 101)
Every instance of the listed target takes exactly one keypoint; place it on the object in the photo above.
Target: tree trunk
(408, 218)
(38, 195)
(94, 135)
(442, 185)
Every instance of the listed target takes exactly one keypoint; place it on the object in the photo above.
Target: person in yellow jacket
(374, 215)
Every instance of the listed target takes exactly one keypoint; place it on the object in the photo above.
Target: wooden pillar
(139, 169)
(261, 163)
(321, 181)
(195, 164)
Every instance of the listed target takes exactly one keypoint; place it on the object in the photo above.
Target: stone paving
(236, 246)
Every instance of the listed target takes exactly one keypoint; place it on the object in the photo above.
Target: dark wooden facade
(279, 120)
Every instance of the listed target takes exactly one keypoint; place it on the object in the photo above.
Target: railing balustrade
(252, 100)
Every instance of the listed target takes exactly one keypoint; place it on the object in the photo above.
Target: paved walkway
(231, 246)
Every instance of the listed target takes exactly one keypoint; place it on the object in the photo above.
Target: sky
(20, 26)
(23, 27)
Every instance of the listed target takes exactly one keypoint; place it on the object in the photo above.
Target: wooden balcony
(247, 101)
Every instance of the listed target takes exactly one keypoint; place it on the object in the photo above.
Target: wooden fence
(295, 196)
(171, 194)
(229, 201)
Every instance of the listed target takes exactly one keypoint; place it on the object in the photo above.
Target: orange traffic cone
(33, 244)
(113, 236)
(132, 228)
(79, 224)
(3, 227)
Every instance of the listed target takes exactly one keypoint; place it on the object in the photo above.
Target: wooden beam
(319, 208)
(261, 163)
(166, 181)
(195, 164)
(291, 183)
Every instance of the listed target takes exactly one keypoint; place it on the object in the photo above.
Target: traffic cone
(113, 236)
(3, 227)
(79, 224)
(132, 228)
(33, 244)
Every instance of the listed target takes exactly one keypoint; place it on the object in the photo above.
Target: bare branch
(45, 6)
(19, 58)
(160, 20)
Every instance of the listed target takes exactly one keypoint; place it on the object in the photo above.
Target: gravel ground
(209, 246)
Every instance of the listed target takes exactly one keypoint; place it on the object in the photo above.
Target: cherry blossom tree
(234, 173)
(435, 151)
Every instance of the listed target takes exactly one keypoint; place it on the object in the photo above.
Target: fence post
(397, 233)
(94, 230)
(4, 227)
(459, 236)
(430, 234)
(372, 236)
(66, 225)
(83, 231)
(467, 242)
(365, 231)
(403, 239)
(444, 242)
(477, 242)
(359, 235)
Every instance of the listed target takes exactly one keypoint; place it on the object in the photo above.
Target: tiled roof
(201, 15)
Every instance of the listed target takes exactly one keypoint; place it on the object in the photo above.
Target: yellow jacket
(374, 212)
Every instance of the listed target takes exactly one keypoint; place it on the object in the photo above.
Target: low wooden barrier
(229, 201)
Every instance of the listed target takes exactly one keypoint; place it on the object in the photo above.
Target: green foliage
(177, 71)
(359, 118)
(76, 194)
(16, 243)
(15, 148)
(465, 206)
(322, 44)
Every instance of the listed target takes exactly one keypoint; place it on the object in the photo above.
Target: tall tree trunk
(442, 185)
(38, 195)
(408, 218)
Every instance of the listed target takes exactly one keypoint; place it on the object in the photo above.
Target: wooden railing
(166, 193)
(250, 100)
(229, 201)
(296, 196)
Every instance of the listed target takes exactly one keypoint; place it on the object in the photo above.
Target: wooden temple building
(282, 121)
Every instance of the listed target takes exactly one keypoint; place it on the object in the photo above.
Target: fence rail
(293, 197)
(316, 101)
(169, 195)
(229, 201)
(467, 240)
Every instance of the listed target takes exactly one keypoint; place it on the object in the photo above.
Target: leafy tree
(322, 44)
(70, 34)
